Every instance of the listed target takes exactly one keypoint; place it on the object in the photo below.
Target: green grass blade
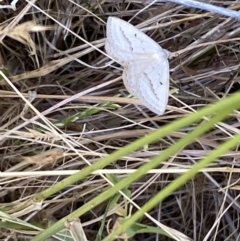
(175, 185)
(226, 106)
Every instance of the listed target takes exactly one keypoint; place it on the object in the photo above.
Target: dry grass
(55, 51)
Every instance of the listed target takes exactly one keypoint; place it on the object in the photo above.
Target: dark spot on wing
(160, 78)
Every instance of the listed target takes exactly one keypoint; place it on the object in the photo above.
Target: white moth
(146, 67)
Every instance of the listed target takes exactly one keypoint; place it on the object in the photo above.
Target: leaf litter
(40, 53)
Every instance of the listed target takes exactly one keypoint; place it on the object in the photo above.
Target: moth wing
(129, 78)
(149, 82)
(126, 43)
(153, 86)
